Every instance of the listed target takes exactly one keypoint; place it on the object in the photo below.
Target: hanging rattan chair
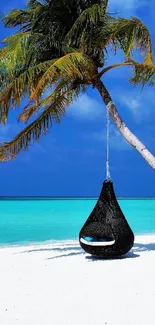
(106, 233)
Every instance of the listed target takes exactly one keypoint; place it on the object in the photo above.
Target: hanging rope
(108, 177)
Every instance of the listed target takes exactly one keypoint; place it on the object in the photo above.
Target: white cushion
(97, 243)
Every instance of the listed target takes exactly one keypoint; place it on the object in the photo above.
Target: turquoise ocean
(38, 220)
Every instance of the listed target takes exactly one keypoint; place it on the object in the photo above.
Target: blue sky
(70, 160)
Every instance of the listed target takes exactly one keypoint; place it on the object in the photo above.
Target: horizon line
(71, 197)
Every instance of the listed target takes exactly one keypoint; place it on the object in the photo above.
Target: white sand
(57, 284)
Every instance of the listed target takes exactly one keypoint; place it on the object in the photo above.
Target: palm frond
(70, 90)
(71, 66)
(17, 17)
(143, 74)
(61, 89)
(89, 16)
(20, 86)
(33, 132)
(23, 17)
(80, 33)
(16, 49)
(130, 35)
(55, 107)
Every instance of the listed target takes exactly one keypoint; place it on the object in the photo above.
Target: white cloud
(133, 103)
(116, 141)
(126, 6)
(141, 104)
(87, 108)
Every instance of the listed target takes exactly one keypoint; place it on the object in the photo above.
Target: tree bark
(124, 130)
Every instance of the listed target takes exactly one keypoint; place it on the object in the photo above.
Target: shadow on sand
(65, 251)
(66, 255)
(123, 257)
(52, 249)
(138, 247)
(75, 250)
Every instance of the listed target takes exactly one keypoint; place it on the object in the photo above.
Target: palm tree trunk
(124, 130)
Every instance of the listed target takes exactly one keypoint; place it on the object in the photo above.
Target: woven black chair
(106, 233)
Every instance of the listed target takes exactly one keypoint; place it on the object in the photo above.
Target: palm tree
(62, 47)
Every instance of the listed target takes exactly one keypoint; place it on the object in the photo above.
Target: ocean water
(26, 221)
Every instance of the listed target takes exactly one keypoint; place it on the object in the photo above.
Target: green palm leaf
(130, 35)
(86, 27)
(15, 51)
(54, 111)
(17, 17)
(143, 74)
(69, 89)
(72, 66)
(22, 85)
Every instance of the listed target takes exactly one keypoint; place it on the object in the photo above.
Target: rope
(108, 177)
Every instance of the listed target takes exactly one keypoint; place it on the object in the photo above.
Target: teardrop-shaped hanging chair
(106, 233)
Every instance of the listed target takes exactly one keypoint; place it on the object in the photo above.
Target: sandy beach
(58, 284)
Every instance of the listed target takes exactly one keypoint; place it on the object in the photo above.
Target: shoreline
(58, 241)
